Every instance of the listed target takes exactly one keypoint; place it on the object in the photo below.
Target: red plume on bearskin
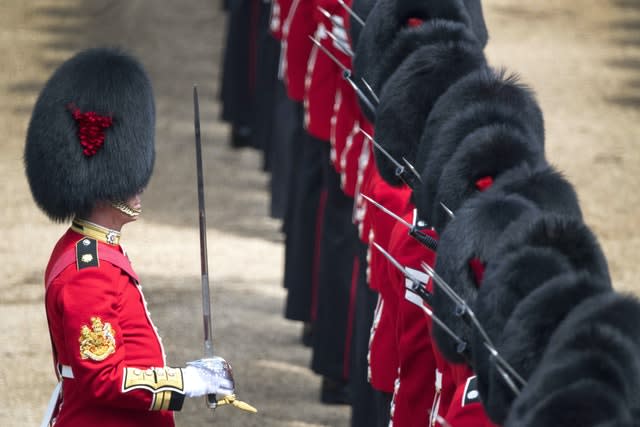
(91, 134)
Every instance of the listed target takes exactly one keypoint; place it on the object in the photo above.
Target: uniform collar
(95, 231)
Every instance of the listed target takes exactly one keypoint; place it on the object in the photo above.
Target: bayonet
(412, 169)
(370, 89)
(462, 345)
(341, 44)
(346, 74)
(414, 231)
(447, 210)
(330, 17)
(351, 12)
(417, 286)
(401, 171)
(387, 211)
(463, 309)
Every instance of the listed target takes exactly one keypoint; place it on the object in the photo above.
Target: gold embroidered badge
(98, 342)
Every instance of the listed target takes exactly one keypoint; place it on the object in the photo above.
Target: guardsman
(89, 154)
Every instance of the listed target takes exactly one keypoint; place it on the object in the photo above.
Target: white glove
(208, 376)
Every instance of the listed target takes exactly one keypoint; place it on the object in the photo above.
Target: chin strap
(126, 209)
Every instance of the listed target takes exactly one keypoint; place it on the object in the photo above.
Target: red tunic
(100, 326)
(296, 46)
(414, 392)
(383, 355)
(365, 177)
(323, 74)
(279, 12)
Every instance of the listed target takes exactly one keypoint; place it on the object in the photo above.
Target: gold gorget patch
(97, 343)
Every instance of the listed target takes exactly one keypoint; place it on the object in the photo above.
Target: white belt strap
(52, 405)
(66, 371)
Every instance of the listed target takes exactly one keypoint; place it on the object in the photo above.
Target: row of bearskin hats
(91, 134)
(512, 241)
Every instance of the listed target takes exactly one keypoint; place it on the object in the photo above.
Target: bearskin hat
(477, 162)
(528, 329)
(543, 185)
(398, 27)
(465, 246)
(485, 103)
(507, 280)
(91, 134)
(410, 93)
(590, 369)
(566, 234)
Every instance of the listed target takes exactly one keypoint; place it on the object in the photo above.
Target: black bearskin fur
(508, 279)
(409, 95)
(64, 182)
(545, 186)
(485, 98)
(486, 153)
(568, 235)
(590, 369)
(387, 33)
(472, 234)
(527, 331)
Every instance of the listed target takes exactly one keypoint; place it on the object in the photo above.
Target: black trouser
(302, 222)
(284, 151)
(363, 404)
(332, 329)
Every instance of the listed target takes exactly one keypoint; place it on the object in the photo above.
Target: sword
(351, 12)
(212, 401)
(414, 231)
(406, 176)
(346, 74)
(418, 288)
(504, 368)
(204, 265)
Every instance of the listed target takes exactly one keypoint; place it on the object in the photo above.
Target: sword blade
(382, 150)
(462, 304)
(351, 12)
(370, 89)
(331, 56)
(412, 169)
(204, 264)
(387, 211)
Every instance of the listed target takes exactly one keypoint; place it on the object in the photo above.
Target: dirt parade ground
(581, 58)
